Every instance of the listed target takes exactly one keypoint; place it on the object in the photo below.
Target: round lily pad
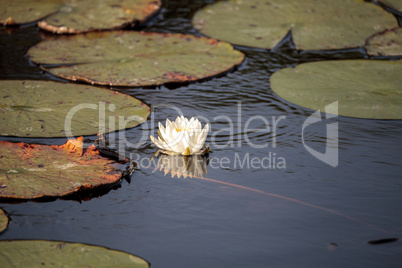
(135, 58)
(29, 171)
(363, 88)
(42, 253)
(51, 109)
(315, 25)
(388, 43)
(3, 221)
(69, 16)
(394, 4)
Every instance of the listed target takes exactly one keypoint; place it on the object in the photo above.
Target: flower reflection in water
(186, 166)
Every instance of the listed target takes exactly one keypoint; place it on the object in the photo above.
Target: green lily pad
(388, 43)
(135, 58)
(51, 109)
(3, 221)
(363, 88)
(42, 253)
(29, 171)
(315, 25)
(17, 12)
(394, 4)
(69, 16)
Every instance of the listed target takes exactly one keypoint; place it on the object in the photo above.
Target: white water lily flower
(182, 136)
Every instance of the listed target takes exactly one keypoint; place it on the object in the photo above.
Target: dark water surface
(296, 212)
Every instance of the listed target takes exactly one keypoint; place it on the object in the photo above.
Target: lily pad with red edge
(29, 171)
(135, 58)
(388, 43)
(314, 25)
(69, 16)
(51, 109)
(362, 88)
(43, 253)
(3, 221)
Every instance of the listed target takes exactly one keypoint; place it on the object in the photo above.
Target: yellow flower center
(178, 129)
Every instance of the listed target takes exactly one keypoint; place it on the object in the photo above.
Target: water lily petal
(191, 122)
(187, 141)
(177, 121)
(169, 126)
(178, 147)
(193, 138)
(175, 143)
(206, 128)
(157, 143)
(203, 135)
(162, 130)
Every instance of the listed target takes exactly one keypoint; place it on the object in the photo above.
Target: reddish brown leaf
(30, 171)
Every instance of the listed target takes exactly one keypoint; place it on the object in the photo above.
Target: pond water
(290, 210)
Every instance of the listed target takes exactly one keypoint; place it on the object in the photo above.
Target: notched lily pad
(135, 58)
(29, 171)
(315, 25)
(51, 109)
(3, 220)
(388, 43)
(363, 88)
(42, 253)
(69, 16)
